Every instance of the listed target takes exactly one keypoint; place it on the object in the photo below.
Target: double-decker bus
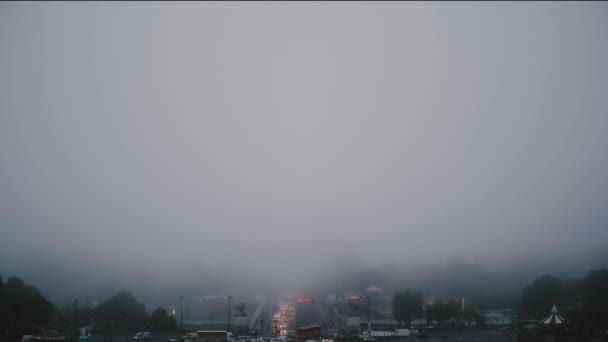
(308, 332)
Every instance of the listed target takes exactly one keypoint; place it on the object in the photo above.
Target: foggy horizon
(264, 147)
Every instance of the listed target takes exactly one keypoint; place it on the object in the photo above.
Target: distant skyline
(268, 142)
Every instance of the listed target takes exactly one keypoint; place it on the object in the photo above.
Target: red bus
(308, 332)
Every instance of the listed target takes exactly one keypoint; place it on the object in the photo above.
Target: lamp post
(368, 305)
(262, 324)
(229, 299)
(75, 304)
(181, 315)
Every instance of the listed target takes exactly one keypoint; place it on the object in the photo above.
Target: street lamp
(181, 315)
(368, 305)
(229, 299)
(262, 324)
(75, 304)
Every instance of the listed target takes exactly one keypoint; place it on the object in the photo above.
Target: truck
(369, 335)
(403, 332)
(376, 334)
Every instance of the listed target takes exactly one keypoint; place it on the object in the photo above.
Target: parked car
(189, 337)
(142, 336)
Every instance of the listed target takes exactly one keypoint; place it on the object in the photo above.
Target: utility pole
(229, 300)
(368, 305)
(181, 315)
(262, 324)
(88, 312)
(75, 304)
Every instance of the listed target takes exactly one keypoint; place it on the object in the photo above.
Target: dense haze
(192, 147)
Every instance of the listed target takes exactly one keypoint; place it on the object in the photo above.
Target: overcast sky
(145, 138)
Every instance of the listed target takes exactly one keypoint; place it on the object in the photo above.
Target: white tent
(373, 289)
(554, 317)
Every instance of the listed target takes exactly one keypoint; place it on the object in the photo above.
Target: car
(190, 337)
(142, 336)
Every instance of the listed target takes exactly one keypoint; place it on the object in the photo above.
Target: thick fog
(166, 148)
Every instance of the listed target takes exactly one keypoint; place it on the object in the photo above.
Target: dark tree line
(123, 314)
(23, 308)
(407, 305)
(584, 303)
(22, 305)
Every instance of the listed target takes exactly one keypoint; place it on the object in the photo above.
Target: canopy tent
(554, 318)
(373, 289)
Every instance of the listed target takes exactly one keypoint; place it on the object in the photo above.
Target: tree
(160, 320)
(595, 298)
(2, 305)
(453, 308)
(538, 297)
(438, 311)
(407, 305)
(122, 313)
(470, 314)
(24, 305)
(240, 310)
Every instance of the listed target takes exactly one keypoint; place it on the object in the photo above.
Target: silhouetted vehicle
(142, 336)
(49, 335)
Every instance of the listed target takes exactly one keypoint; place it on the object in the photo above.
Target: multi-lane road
(283, 319)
